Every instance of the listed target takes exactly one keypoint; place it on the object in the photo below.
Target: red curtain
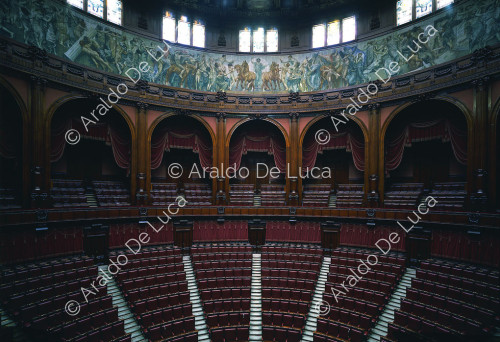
(118, 139)
(338, 141)
(440, 129)
(165, 138)
(256, 141)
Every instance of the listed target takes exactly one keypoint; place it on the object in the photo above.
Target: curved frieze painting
(65, 32)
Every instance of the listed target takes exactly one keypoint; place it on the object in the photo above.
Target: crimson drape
(101, 131)
(165, 138)
(439, 129)
(338, 141)
(256, 141)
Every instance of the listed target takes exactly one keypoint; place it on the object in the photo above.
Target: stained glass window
(333, 33)
(404, 11)
(318, 36)
(244, 40)
(443, 3)
(76, 3)
(169, 27)
(258, 40)
(423, 7)
(272, 40)
(115, 11)
(183, 31)
(348, 29)
(96, 7)
(198, 34)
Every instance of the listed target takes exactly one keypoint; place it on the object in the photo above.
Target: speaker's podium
(330, 236)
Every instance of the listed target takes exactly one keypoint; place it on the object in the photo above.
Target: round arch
(17, 97)
(71, 97)
(172, 113)
(271, 121)
(311, 123)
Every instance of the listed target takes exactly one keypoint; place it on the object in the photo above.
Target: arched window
(110, 10)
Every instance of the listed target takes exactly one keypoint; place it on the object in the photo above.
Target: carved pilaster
(142, 192)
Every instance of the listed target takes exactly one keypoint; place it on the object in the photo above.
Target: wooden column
(142, 191)
(372, 169)
(40, 179)
(219, 184)
(293, 176)
(479, 195)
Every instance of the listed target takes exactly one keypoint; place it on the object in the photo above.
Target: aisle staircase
(332, 202)
(394, 303)
(317, 303)
(256, 300)
(194, 296)
(91, 199)
(257, 201)
(132, 327)
(9, 331)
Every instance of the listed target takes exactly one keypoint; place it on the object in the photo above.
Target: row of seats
(150, 252)
(337, 279)
(220, 305)
(297, 295)
(224, 319)
(113, 332)
(290, 265)
(283, 320)
(223, 282)
(201, 249)
(471, 272)
(159, 302)
(198, 194)
(304, 249)
(293, 257)
(285, 305)
(165, 315)
(349, 195)
(469, 311)
(174, 329)
(142, 269)
(272, 195)
(361, 305)
(110, 193)
(216, 294)
(68, 193)
(403, 195)
(374, 275)
(137, 283)
(224, 273)
(163, 193)
(328, 328)
(307, 285)
(221, 256)
(287, 273)
(229, 334)
(241, 194)
(469, 285)
(280, 334)
(456, 294)
(352, 253)
(449, 196)
(156, 290)
(222, 264)
(316, 195)
(350, 318)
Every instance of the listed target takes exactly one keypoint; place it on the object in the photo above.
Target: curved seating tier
(316, 195)
(241, 194)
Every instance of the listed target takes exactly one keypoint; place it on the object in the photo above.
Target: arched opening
(338, 159)
(426, 151)
(257, 164)
(11, 151)
(181, 161)
(96, 170)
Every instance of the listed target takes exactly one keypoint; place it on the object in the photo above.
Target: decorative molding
(370, 212)
(41, 215)
(221, 116)
(221, 96)
(294, 115)
(482, 56)
(143, 211)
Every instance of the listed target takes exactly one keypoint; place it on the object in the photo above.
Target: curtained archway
(423, 137)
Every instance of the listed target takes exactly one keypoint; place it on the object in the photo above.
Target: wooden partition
(330, 236)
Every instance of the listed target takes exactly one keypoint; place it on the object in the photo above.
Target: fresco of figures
(63, 31)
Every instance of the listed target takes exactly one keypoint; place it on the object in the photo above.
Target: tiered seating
(155, 286)
(449, 196)
(7, 199)
(35, 296)
(356, 311)
(289, 275)
(198, 194)
(241, 194)
(224, 275)
(68, 193)
(349, 195)
(163, 193)
(449, 298)
(111, 194)
(316, 195)
(272, 195)
(403, 195)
